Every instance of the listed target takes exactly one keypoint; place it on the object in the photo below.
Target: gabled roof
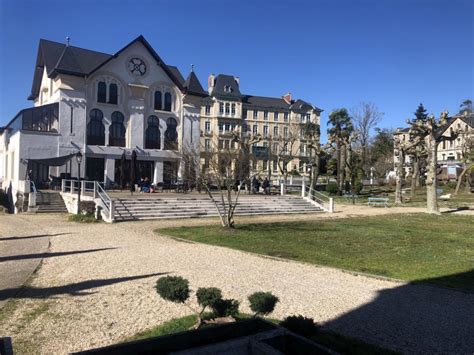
(63, 59)
(223, 80)
(193, 86)
(59, 58)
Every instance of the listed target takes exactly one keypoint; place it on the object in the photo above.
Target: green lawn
(413, 247)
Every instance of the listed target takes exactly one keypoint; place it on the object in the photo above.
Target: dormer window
(227, 89)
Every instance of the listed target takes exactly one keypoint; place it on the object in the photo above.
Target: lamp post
(79, 160)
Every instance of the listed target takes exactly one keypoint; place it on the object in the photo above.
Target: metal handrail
(326, 202)
(107, 202)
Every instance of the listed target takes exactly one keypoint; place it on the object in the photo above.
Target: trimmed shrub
(173, 288)
(262, 303)
(300, 325)
(208, 296)
(226, 308)
(331, 188)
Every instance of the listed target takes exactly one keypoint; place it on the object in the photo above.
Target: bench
(378, 201)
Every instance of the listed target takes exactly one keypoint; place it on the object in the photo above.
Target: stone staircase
(140, 208)
(50, 202)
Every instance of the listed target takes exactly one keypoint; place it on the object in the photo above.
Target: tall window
(113, 94)
(275, 131)
(227, 108)
(102, 92)
(171, 134)
(208, 110)
(265, 115)
(158, 104)
(244, 113)
(221, 108)
(255, 129)
(233, 109)
(95, 128)
(285, 116)
(117, 130)
(275, 116)
(168, 102)
(255, 113)
(207, 126)
(152, 134)
(285, 132)
(265, 131)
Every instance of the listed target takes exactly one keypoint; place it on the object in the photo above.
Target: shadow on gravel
(75, 289)
(3, 239)
(48, 255)
(416, 318)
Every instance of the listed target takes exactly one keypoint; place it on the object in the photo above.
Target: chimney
(287, 98)
(237, 80)
(210, 83)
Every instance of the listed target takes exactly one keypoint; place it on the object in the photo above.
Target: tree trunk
(415, 175)
(399, 177)
(431, 181)
(458, 185)
(338, 167)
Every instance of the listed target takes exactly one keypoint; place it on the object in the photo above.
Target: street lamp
(79, 160)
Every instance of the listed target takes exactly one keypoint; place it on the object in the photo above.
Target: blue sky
(395, 53)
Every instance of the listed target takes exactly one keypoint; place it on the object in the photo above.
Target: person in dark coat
(266, 186)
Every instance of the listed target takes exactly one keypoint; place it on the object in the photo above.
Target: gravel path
(95, 287)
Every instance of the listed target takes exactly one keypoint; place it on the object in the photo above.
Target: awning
(58, 161)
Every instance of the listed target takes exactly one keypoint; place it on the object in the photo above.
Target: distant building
(227, 110)
(450, 153)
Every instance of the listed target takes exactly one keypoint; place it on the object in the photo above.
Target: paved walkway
(23, 243)
(96, 287)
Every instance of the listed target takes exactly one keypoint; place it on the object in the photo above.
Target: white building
(104, 106)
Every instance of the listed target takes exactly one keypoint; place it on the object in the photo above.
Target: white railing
(94, 190)
(104, 201)
(318, 198)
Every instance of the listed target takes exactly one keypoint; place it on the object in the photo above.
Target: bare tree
(221, 174)
(468, 160)
(429, 131)
(366, 116)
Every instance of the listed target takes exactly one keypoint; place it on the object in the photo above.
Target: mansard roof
(193, 86)
(268, 102)
(277, 103)
(223, 80)
(61, 58)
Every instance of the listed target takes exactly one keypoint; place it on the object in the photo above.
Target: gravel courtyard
(96, 287)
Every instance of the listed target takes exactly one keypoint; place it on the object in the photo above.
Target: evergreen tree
(421, 113)
(465, 107)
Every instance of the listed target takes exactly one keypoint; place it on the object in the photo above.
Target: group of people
(145, 186)
(256, 183)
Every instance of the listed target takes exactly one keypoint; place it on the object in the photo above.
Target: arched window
(117, 130)
(101, 92)
(113, 94)
(167, 101)
(171, 134)
(95, 128)
(152, 134)
(158, 103)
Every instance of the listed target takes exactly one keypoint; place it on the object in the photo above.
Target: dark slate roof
(223, 80)
(60, 58)
(193, 86)
(176, 73)
(268, 102)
